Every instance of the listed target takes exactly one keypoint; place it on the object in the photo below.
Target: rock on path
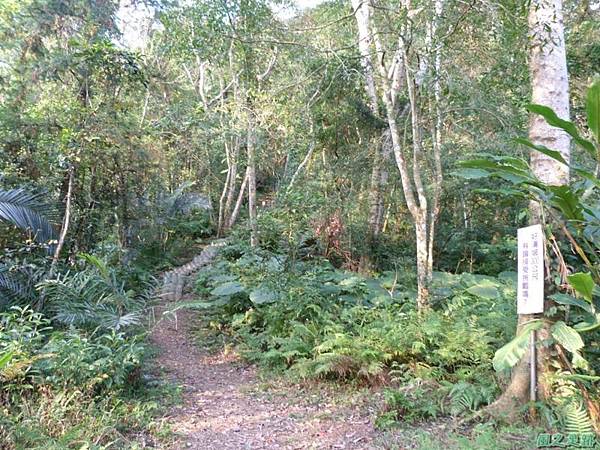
(224, 406)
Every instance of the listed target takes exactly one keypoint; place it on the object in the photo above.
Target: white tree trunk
(66, 220)
(362, 14)
(550, 87)
(226, 187)
(251, 148)
(233, 177)
(436, 134)
(238, 204)
(379, 180)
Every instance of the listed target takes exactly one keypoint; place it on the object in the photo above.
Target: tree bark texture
(550, 87)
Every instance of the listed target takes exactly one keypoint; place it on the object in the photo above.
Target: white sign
(530, 291)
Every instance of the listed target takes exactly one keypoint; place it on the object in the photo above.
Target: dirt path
(226, 405)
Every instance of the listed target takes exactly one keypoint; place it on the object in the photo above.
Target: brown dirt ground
(227, 406)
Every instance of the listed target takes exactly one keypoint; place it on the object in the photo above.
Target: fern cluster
(315, 321)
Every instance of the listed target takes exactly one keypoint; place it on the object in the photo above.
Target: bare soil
(227, 406)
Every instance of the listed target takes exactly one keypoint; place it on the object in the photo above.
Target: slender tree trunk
(306, 159)
(423, 226)
(238, 204)
(226, 187)
(550, 87)
(438, 178)
(379, 180)
(66, 221)
(251, 148)
(382, 150)
(232, 180)
(423, 274)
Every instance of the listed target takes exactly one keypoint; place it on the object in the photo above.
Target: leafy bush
(65, 386)
(93, 364)
(42, 357)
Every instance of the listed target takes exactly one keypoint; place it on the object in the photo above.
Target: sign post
(530, 294)
(530, 289)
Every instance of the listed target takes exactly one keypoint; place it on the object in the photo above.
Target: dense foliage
(271, 126)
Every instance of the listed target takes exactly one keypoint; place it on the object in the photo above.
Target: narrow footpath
(227, 406)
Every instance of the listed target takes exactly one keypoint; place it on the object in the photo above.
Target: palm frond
(93, 297)
(28, 212)
(17, 286)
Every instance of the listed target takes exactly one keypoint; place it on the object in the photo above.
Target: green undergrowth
(73, 388)
(312, 321)
(484, 436)
(74, 369)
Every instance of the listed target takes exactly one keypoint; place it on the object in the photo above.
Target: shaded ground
(226, 406)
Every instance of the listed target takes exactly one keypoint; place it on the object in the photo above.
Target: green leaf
(97, 263)
(588, 326)
(486, 291)
(554, 154)
(565, 299)
(229, 288)
(567, 201)
(508, 276)
(471, 173)
(510, 354)
(263, 295)
(592, 107)
(329, 289)
(28, 212)
(479, 164)
(351, 281)
(222, 278)
(583, 284)
(555, 121)
(5, 359)
(590, 176)
(513, 170)
(567, 337)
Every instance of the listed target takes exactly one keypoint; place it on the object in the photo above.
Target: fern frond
(17, 285)
(576, 417)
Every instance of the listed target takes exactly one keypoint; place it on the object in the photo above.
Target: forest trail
(225, 404)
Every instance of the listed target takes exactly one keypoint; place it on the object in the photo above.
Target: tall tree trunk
(550, 87)
(436, 134)
(251, 148)
(66, 220)
(382, 150)
(232, 180)
(307, 158)
(423, 274)
(379, 180)
(238, 204)
(222, 218)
